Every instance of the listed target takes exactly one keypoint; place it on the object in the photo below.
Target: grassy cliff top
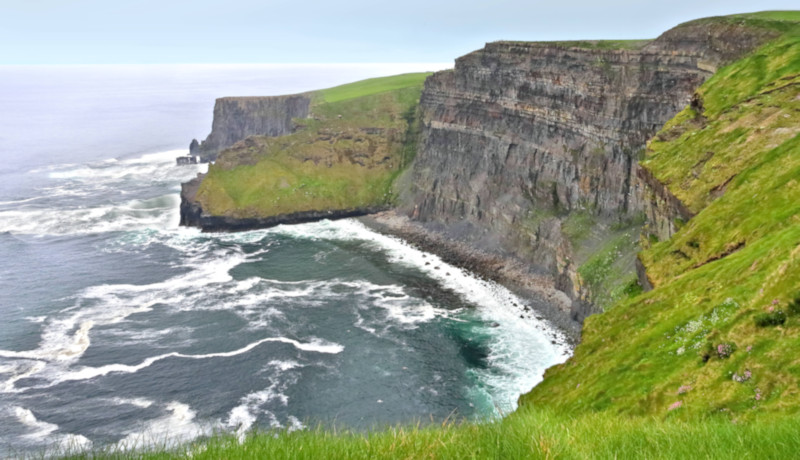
(585, 44)
(778, 20)
(346, 155)
(372, 86)
(771, 16)
(526, 434)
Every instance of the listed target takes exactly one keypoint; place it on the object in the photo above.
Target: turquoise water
(119, 327)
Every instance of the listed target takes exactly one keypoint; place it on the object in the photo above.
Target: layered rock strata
(237, 118)
(520, 137)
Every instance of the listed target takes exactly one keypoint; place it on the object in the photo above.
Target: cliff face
(520, 138)
(237, 118)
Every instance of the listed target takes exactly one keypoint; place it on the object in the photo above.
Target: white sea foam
(84, 373)
(36, 319)
(513, 369)
(175, 427)
(243, 416)
(66, 337)
(160, 212)
(45, 434)
(57, 344)
(138, 402)
(144, 169)
(18, 370)
(160, 338)
(26, 200)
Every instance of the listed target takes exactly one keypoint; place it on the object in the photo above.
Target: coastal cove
(557, 249)
(122, 329)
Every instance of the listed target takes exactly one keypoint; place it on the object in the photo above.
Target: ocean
(119, 328)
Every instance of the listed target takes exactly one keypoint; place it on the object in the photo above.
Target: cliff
(237, 118)
(717, 335)
(531, 150)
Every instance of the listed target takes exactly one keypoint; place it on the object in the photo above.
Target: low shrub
(794, 305)
(725, 350)
(774, 318)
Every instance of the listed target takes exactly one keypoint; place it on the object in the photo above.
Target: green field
(372, 86)
(526, 434)
(790, 16)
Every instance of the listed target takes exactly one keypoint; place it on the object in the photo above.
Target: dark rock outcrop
(237, 118)
(663, 209)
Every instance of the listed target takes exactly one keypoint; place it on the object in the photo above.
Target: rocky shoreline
(544, 299)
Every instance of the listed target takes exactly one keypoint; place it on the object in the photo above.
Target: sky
(312, 31)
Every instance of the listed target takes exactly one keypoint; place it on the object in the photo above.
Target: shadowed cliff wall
(237, 118)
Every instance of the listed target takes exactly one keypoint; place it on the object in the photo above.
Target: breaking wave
(77, 199)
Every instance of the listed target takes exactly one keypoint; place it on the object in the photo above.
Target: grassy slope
(345, 156)
(526, 434)
(635, 357)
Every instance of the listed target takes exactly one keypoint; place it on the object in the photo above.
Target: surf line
(92, 372)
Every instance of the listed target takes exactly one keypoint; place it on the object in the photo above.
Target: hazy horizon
(91, 32)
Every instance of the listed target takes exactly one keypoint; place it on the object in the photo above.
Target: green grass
(358, 139)
(527, 434)
(777, 21)
(792, 16)
(372, 86)
(577, 226)
(605, 274)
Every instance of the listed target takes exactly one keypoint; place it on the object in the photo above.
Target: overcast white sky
(283, 31)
